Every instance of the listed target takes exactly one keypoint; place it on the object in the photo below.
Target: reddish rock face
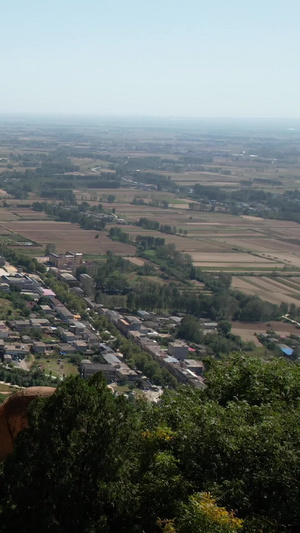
(13, 415)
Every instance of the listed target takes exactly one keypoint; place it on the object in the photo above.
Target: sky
(166, 58)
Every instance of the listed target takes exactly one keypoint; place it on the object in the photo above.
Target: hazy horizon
(159, 59)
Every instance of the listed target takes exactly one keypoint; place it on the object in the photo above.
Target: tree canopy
(225, 459)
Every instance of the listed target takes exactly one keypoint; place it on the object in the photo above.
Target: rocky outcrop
(13, 415)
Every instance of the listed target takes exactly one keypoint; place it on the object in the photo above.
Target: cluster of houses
(290, 348)
(54, 328)
(177, 357)
(25, 284)
(57, 330)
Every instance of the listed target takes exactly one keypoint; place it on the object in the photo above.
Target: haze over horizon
(161, 59)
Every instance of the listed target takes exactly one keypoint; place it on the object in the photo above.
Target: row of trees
(222, 304)
(22, 378)
(75, 214)
(144, 242)
(30, 264)
(63, 293)
(222, 342)
(229, 305)
(156, 226)
(282, 206)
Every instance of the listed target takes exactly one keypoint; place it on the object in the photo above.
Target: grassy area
(6, 309)
(13, 237)
(2, 397)
(4, 388)
(124, 389)
(51, 366)
(150, 253)
(94, 257)
(175, 201)
(6, 391)
(48, 339)
(241, 269)
(32, 251)
(263, 353)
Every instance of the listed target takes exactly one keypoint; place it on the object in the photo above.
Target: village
(52, 331)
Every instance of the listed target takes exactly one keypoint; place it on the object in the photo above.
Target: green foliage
(154, 225)
(283, 206)
(223, 305)
(22, 378)
(50, 248)
(202, 514)
(76, 214)
(110, 274)
(3, 397)
(83, 432)
(92, 462)
(63, 293)
(190, 330)
(19, 259)
(148, 242)
(117, 234)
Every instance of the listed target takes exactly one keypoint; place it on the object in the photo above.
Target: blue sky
(156, 58)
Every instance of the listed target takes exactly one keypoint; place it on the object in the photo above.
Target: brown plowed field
(267, 289)
(247, 331)
(67, 236)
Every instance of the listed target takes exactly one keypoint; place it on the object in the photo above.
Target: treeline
(30, 264)
(117, 234)
(23, 378)
(220, 195)
(144, 242)
(183, 465)
(227, 305)
(222, 304)
(172, 263)
(160, 181)
(147, 242)
(285, 206)
(54, 172)
(156, 226)
(111, 275)
(155, 202)
(218, 343)
(75, 214)
(63, 293)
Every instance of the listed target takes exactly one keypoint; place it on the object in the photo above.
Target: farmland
(273, 290)
(154, 173)
(66, 236)
(249, 332)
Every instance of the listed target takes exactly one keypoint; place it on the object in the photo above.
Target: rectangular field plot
(248, 332)
(231, 260)
(272, 290)
(68, 236)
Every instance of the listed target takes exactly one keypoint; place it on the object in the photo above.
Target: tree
(50, 248)
(202, 514)
(131, 300)
(225, 327)
(190, 330)
(116, 282)
(73, 449)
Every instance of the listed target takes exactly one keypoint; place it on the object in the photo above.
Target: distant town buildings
(69, 260)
